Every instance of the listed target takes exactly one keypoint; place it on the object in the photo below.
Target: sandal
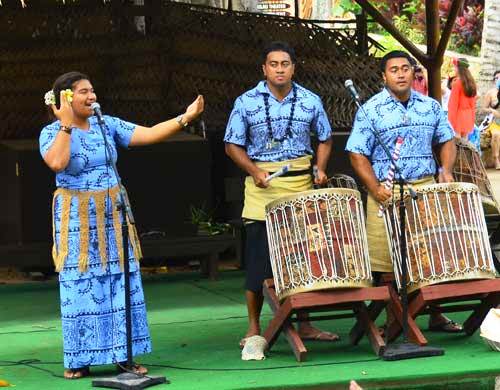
(76, 373)
(448, 326)
(321, 336)
(136, 368)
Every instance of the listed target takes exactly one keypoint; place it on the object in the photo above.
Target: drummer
(270, 127)
(399, 111)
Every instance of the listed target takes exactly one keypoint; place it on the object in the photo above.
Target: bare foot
(253, 330)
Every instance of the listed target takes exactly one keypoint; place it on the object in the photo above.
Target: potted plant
(203, 220)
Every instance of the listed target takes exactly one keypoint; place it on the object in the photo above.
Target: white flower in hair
(50, 98)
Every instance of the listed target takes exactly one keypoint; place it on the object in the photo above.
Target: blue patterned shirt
(247, 124)
(422, 124)
(87, 169)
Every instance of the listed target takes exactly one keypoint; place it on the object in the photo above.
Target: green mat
(196, 326)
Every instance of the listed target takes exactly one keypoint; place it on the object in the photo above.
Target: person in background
(419, 81)
(491, 106)
(462, 104)
(446, 91)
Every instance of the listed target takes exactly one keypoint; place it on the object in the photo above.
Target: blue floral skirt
(93, 320)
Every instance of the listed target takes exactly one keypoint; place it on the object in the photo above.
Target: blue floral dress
(87, 242)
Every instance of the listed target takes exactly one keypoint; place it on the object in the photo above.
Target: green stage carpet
(196, 325)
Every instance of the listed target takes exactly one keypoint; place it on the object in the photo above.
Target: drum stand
(486, 291)
(321, 301)
(406, 350)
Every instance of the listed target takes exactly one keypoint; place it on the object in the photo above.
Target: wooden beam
(433, 29)
(448, 28)
(389, 26)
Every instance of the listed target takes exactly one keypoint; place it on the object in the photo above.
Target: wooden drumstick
(389, 183)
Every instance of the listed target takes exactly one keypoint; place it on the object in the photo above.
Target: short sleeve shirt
(248, 127)
(422, 124)
(87, 169)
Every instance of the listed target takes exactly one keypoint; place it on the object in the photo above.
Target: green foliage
(203, 220)
(404, 25)
(346, 6)
(409, 17)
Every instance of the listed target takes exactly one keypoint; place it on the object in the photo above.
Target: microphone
(350, 86)
(96, 107)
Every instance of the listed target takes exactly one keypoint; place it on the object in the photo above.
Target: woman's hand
(195, 109)
(65, 112)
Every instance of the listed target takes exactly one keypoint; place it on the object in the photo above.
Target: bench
(207, 247)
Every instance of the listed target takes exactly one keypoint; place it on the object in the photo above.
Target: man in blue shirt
(399, 111)
(270, 127)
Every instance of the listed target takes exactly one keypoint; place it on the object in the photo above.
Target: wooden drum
(446, 235)
(340, 180)
(317, 240)
(469, 168)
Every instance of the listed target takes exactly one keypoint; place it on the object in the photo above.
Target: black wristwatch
(66, 129)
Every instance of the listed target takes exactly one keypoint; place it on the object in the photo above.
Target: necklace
(273, 141)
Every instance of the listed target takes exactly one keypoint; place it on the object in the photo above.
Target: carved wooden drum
(446, 235)
(317, 240)
(469, 168)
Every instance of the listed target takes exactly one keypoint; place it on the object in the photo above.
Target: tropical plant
(468, 29)
(203, 220)
(409, 17)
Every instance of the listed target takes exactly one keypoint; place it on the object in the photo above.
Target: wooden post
(229, 5)
(362, 32)
(433, 33)
(296, 7)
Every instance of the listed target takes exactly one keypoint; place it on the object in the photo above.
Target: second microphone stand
(404, 350)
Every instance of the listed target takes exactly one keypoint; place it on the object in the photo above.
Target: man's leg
(257, 270)
(495, 148)
(254, 308)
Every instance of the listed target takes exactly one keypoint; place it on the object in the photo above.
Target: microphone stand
(404, 350)
(128, 380)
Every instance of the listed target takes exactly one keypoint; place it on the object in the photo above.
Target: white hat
(254, 348)
(490, 329)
